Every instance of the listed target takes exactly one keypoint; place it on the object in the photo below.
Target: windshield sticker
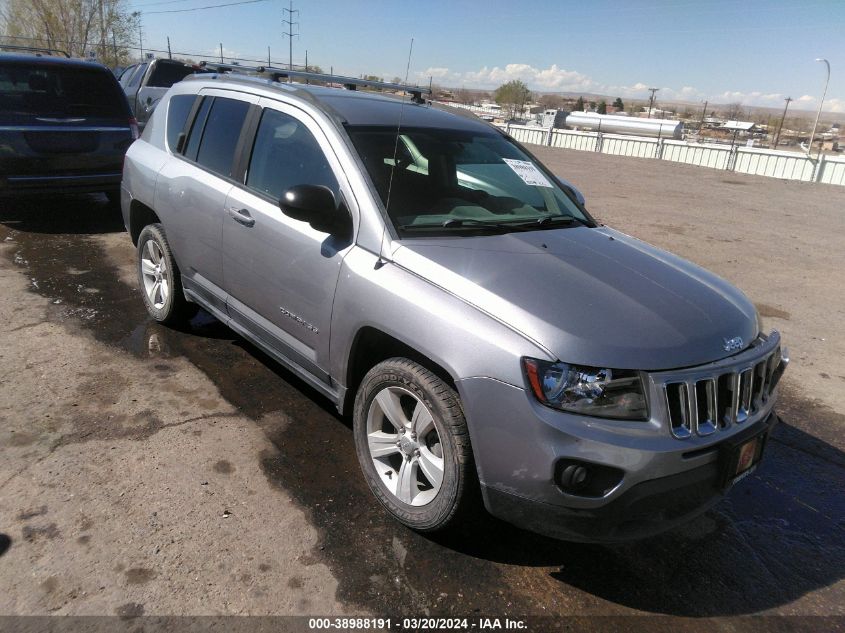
(529, 173)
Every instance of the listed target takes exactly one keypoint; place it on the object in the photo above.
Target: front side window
(220, 136)
(447, 180)
(286, 154)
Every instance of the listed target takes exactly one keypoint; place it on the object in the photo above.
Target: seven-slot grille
(704, 405)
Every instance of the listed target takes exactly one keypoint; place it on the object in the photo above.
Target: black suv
(65, 126)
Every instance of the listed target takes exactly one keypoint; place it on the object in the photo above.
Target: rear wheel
(160, 280)
(413, 446)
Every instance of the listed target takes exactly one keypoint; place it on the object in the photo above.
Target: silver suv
(432, 278)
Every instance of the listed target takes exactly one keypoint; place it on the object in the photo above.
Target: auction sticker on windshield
(528, 171)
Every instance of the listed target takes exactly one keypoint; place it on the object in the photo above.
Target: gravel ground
(149, 470)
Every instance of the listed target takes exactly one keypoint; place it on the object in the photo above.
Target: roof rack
(33, 49)
(350, 83)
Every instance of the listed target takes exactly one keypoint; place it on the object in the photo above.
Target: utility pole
(169, 54)
(103, 35)
(819, 114)
(137, 16)
(290, 34)
(782, 119)
(651, 101)
(221, 52)
(269, 63)
(703, 115)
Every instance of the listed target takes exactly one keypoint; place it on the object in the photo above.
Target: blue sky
(754, 51)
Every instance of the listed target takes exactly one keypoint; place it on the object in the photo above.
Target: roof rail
(350, 83)
(33, 49)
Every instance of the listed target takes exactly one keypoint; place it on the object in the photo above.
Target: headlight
(601, 392)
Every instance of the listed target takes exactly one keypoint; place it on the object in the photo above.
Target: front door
(281, 274)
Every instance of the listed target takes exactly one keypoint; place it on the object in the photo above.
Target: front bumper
(645, 509)
(657, 480)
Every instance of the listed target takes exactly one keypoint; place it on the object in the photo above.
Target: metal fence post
(732, 154)
(658, 153)
(549, 137)
(818, 169)
(599, 140)
(508, 128)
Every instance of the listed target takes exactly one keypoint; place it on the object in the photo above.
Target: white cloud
(228, 53)
(556, 79)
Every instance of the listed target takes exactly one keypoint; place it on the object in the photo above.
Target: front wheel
(160, 280)
(413, 445)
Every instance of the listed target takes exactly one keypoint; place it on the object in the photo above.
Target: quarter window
(178, 110)
(220, 137)
(286, 154)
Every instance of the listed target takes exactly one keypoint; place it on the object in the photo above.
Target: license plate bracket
(740, 457)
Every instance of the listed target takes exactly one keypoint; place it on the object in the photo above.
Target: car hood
(591, 296)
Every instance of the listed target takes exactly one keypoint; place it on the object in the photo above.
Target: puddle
(777, 537)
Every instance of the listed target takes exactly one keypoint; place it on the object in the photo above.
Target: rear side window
(60, 92)
(197, 126)
(165, 74)
(286, 154)
(178, 109)
(220, 137)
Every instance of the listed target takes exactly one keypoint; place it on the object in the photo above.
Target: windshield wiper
(530, 225)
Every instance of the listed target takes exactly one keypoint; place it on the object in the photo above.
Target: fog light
(573, 477)
(584, 479)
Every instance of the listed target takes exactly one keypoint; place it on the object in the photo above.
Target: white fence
(740, 159)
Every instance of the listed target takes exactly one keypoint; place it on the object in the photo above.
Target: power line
(212, 6)
(157, 3)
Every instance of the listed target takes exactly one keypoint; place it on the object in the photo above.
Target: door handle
(241, 216)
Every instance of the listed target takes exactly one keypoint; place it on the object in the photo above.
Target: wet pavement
(775, 545)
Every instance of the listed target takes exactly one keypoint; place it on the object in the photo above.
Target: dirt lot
(147, 470)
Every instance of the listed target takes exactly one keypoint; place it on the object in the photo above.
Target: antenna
(381, 262)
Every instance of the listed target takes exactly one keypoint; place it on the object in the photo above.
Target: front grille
(704, 404)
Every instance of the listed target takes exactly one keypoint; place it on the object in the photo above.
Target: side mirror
(578, 195)
(316, 205)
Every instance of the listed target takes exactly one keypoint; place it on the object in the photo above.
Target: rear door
(60, 120)
(193, 185)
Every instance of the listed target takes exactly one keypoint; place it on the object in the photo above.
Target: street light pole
(821, 103)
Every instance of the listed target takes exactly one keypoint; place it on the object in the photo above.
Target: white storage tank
(664, 128)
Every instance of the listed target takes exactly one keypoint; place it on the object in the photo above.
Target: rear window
(165, 75)
(59, 92)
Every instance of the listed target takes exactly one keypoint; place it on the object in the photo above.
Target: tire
(400, 468)
(160, 280)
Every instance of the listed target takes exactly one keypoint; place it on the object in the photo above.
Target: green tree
(512, 96)
(106, 27)
(579, 105)
(602, 107)
(618, 104)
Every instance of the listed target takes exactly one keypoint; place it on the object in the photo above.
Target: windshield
(443, 181)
